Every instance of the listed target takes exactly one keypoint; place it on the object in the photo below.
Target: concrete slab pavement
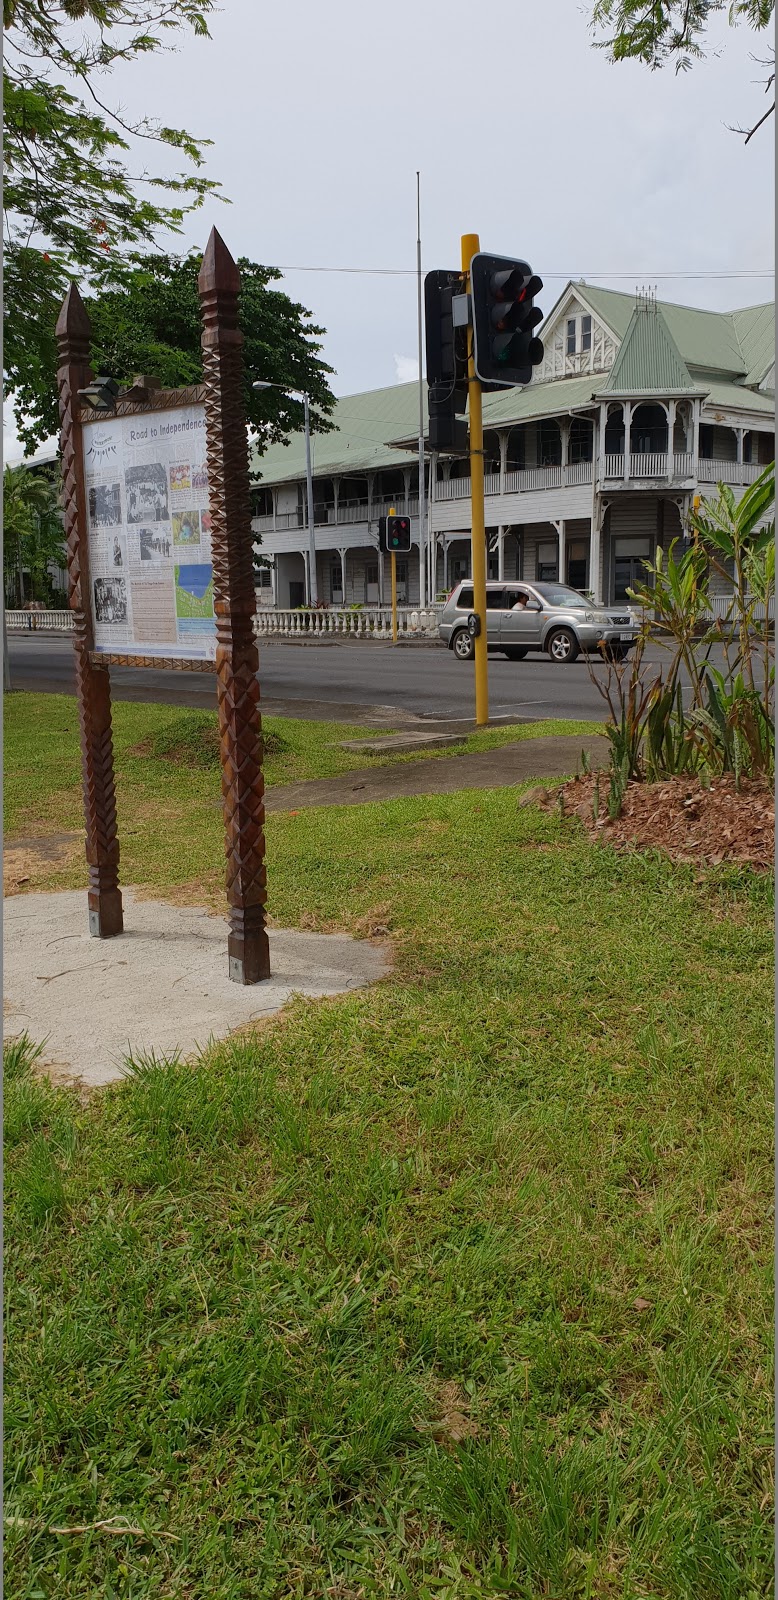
(553, 756)
(160, 986)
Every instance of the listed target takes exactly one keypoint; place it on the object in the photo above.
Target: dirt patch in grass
(713, 826)
(27, 863)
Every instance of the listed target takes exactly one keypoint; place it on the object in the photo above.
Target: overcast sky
(320, 116)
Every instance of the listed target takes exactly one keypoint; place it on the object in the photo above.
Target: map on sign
(150, 564)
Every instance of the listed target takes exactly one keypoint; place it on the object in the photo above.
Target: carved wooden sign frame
(236, 663)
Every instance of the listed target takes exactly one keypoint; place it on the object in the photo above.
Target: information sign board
(150, 559)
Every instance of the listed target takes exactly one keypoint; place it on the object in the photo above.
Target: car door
(494, 604)
(519, 625)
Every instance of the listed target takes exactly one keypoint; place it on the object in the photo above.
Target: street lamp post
(297, 394)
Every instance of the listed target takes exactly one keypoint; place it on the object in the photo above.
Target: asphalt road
(378, 683)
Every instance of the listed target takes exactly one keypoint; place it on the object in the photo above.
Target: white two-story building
(638, 406)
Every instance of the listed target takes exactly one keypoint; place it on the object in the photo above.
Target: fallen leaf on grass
(642, 1305)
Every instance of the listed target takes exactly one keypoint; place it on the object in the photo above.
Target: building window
(580, 441)
(586, 333)
(549, 445)
(571, 336)
(263, 578)
(548, 557)
(706, 441)
(371, 572)
(336, 583)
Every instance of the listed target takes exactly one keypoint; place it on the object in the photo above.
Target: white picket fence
(374, 622)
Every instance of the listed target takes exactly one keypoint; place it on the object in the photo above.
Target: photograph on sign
(150, 563)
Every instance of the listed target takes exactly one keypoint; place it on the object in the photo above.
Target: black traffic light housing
(505, 346)
(446, 348)
(394, 535)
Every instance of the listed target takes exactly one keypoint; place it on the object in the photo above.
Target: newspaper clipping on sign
(150, 563)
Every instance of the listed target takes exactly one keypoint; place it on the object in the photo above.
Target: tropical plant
(693, 716)
(33, 537)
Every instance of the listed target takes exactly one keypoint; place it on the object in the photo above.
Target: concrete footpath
(554, 756)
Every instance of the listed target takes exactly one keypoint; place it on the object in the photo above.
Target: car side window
(513, 596)
(495, 599)
(465, 600)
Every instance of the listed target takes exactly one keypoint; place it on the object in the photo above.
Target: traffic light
(446, 362)
(394, 535)
(504, 345)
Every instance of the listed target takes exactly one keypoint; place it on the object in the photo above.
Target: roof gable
(649, 360)
(572, 306)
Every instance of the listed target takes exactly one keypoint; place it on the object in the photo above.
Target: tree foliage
(673, 31)
(33, 535)
(77, 202)
(151, 323)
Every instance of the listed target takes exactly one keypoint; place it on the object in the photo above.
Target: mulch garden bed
(722, 824)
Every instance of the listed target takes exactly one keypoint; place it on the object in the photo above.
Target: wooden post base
(106, 918)
(249, 956)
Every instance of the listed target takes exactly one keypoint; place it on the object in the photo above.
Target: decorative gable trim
(560, 361)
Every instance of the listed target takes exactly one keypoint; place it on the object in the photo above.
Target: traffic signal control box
(505, 346)
(446, 349)
(394, 535)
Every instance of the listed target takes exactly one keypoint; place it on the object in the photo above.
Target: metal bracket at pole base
(106, 918)
(249, 959)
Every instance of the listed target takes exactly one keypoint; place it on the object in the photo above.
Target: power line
(642, 273)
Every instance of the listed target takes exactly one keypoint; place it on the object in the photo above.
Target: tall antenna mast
(422, 497)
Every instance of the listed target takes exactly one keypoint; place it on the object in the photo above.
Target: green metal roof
(361, 441)
(685, 350)
(755, 328)
(735, 397)
(704, 338)
(648, 361)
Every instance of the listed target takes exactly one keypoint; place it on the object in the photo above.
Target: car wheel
(562, 645)
(515, 655)
(463, 646)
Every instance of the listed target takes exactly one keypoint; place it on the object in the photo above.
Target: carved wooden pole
(92, 682)
(240, 728)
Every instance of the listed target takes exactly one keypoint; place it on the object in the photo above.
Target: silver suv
(538, 616)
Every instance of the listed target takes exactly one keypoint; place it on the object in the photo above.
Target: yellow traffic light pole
(470, 248)
(393, 559)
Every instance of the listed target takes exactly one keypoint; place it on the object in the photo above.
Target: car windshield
(558, 594)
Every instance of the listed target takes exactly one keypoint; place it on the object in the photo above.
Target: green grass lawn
(167, 781)
(458, 1286)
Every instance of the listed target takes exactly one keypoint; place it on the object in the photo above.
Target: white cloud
(407, 369)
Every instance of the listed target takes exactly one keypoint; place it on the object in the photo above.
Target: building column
(503, 438)
(501, 550)
(696, 436)
(598, 451)
(672, 404)
(370, 487)
(335, 493)
(407, 489)
(739, 432)
(561, 532)
(564, 434)
(274, 582)
(595, 550)
(627, 412)
(274, 503)
(342, 554)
